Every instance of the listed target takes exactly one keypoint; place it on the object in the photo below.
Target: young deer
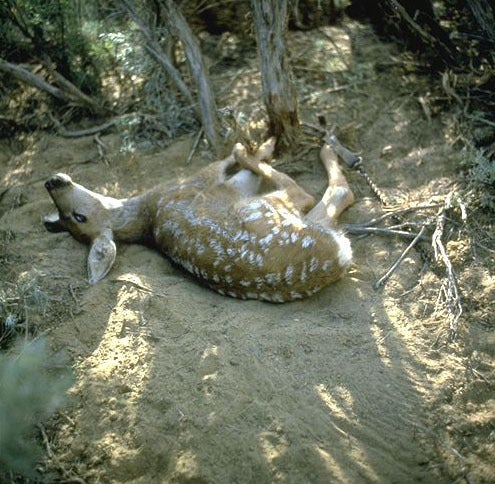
(242, 227)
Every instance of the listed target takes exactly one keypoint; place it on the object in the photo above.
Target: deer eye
(79, 218)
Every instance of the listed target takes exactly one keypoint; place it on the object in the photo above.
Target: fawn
(242, 227)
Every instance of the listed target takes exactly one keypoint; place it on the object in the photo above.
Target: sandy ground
(176, 383)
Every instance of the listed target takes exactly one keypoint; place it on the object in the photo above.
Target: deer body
(243, 228)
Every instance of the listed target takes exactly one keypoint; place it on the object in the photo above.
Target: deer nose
(58, 181)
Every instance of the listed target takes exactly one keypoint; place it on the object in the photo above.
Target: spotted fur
(246, 235)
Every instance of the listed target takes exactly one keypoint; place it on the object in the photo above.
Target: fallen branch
(397, 263)
(70, 93)
(366, 230)
(194, 146)
(395, 213)
(449, 293)
(34, 80)
(83, 132)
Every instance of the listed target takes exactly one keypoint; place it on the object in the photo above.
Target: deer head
(89, 217)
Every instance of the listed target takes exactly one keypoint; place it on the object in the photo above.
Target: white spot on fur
(344, 254)
(259, 260)
(265, 241)
(272, 278)
(253, 216)
(307, 242)
(289, 274)
(277, 297)
(313, 265)
(304, 273)
(255, 204)
(326, 266)
(259, 282)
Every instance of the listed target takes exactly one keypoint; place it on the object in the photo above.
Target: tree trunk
(279, 93)
(154, 48)
(176, 24)
(208, 109)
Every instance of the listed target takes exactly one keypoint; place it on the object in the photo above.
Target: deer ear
(101, 257)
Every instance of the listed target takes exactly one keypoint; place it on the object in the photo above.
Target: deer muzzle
(60, 180)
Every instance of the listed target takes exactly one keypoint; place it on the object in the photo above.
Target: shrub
(33, 386)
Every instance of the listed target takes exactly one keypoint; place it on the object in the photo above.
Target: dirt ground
(176, 383)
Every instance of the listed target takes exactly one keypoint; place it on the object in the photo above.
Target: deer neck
(131, 219)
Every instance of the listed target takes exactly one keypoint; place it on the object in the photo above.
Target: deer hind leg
(274, 180)
(337, 197)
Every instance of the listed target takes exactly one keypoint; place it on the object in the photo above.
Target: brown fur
(239, 225)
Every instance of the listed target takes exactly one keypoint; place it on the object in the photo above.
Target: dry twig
(194, 146)
(449, 295)
(381, 282)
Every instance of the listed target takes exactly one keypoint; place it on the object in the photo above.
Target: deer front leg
(297, 196)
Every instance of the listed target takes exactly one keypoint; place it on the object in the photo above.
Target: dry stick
(365, 230)
(46, 441)
(381, 282)
(33, 80)
(100, 146)
(194, 146)
(452, 299)
(70, 93)
(396, 213)
(82, 132)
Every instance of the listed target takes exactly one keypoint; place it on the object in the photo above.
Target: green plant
(481, 178)
(33, 385)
